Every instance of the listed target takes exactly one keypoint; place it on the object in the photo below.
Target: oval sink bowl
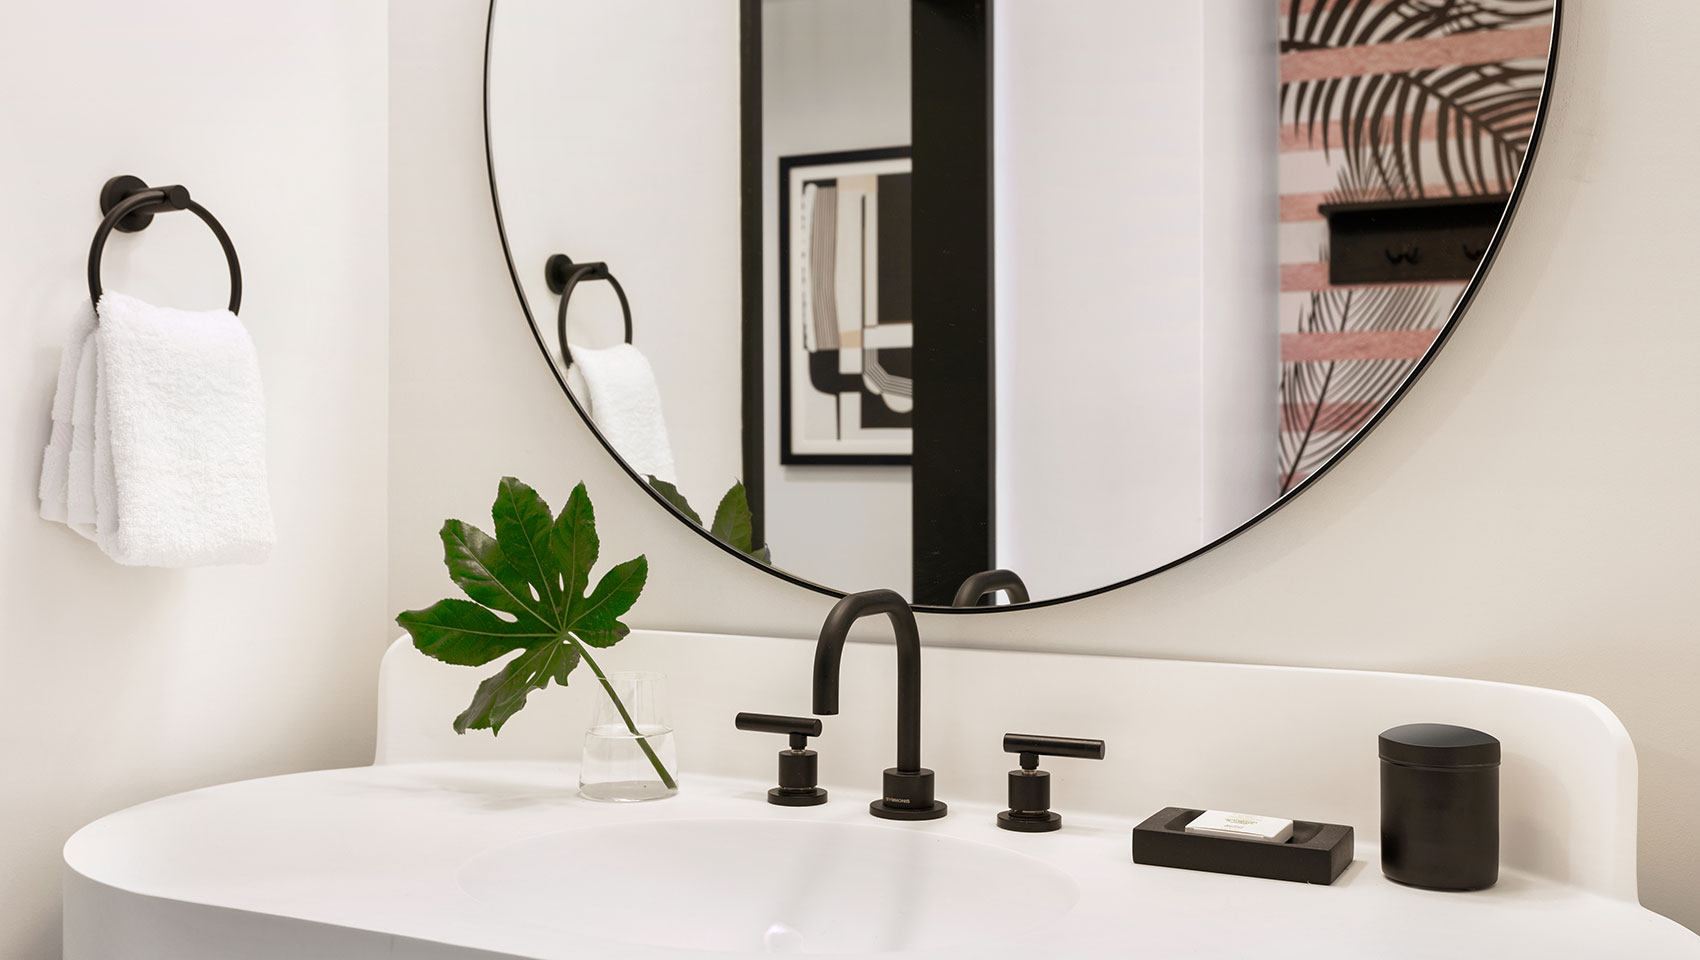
(771, 886)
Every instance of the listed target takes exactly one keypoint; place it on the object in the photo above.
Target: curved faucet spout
(990, 581)
(830, 649)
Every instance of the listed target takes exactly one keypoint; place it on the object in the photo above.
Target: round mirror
(998, 302)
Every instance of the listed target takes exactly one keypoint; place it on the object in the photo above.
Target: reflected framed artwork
(846, 371)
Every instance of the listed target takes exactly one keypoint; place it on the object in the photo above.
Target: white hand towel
(104, 483)
(626, 405)
(182, 415)
(80, 507)
(56, 458)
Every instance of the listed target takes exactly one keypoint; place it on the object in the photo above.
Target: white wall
(123, 684)
(587, 96)
(1239, 378)
(1527, 514)
(835, 76)
(1137, 357)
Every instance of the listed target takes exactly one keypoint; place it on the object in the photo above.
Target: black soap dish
(1317, 853)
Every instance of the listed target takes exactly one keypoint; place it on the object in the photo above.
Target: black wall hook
(1410, 253)
(562, 275)
(129, 205)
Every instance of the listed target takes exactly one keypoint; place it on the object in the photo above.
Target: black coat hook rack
(563, 275)
(129, 205)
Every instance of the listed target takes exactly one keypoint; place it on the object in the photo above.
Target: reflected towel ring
(563, 275)
(129, 205)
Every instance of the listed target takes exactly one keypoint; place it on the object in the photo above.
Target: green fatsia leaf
(574, 546)
(527, 593)
(478, 566)
(465, 634)
(502, 695)
(732, 523)
(672, 495)
(524, 530)
(596, 619)
(732, 518)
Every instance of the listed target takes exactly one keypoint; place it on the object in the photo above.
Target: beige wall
(1528, 514)
(122, 684)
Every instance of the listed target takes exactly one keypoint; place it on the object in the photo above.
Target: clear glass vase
(628, 750)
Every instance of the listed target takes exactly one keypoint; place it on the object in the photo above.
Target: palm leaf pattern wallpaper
(1385, 100)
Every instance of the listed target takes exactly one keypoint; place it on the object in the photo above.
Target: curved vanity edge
(1625, 881)
(112, 912)
(137, 926)
(400, 649)
(367, 862)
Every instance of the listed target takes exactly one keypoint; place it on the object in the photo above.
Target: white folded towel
(183, 412)
(165, 465)
(56, 459)
(105, 483)
(622, 397)
(80, 501)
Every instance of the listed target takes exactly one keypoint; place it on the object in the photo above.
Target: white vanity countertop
(378, 851)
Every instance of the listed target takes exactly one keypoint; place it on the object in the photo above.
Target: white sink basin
(779, 886)
(472, 861)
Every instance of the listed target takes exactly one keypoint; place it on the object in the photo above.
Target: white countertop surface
(378, 849)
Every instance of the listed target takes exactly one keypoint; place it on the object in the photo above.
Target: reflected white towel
(56, 458)
(180, 418)
(625, 403)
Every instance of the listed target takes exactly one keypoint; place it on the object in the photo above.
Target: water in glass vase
(616, 767)
(628, 751)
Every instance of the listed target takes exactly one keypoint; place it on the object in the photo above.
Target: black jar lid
(1439, 745)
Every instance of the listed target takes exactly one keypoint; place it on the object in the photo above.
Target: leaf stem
(584, 651)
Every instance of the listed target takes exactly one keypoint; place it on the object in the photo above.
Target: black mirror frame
(751, 194)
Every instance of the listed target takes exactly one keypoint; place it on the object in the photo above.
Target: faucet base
(879, 809)
(908, 796)
(1029, 822)
(793, 797)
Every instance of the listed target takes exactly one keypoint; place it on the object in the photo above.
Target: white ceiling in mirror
(1223, 239)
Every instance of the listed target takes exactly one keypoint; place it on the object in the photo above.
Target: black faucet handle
(1030, 788)
(799, 770)
(1032, 747)
(800, 729)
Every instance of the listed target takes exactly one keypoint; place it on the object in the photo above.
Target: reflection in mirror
(756, 241)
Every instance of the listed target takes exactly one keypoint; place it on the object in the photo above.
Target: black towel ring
(129, 205)
(563, 274)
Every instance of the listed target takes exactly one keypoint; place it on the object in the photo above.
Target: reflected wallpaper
(1385, 100)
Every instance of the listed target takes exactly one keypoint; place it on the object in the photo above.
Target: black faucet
(990, 581)
(908, 786)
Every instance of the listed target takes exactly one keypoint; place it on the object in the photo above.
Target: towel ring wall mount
(562, 275)
(129, 204)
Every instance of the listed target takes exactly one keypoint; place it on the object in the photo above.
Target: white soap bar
(1241, 826)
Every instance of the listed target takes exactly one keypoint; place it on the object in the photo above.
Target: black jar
(1440, 806)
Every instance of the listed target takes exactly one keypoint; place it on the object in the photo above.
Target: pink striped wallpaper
(1384, 99)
